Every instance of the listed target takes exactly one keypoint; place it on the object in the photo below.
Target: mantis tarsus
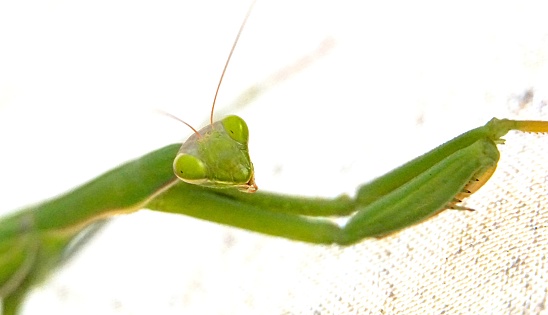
(47, 224)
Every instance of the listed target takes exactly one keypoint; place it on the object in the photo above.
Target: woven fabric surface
(395, 80)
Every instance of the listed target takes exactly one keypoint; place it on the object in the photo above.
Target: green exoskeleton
(33, 240)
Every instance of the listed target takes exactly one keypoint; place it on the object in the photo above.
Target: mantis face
(217, 156)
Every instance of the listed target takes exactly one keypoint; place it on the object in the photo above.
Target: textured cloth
(401, 78)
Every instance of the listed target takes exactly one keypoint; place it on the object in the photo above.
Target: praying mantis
(199, 190)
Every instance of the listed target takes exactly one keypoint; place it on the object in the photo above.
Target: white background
(80, 83)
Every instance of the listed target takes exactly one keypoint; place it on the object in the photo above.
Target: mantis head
(217, 156)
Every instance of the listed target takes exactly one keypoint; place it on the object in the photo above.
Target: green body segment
(383, 185)
(33, 239)
(424, 195)
(217, 156)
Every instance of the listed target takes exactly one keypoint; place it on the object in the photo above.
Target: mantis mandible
(35, 237)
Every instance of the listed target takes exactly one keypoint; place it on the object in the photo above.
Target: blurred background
(347, 91)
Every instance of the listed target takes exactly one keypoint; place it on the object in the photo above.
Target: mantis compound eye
(189, 168)
(236, 128)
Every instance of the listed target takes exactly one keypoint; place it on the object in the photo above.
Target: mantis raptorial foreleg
(409, 194)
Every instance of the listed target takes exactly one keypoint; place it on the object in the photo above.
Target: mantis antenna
(184, 122)
(228, 60)
(222, 75)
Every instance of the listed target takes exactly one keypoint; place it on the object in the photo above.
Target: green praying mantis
(34, 239)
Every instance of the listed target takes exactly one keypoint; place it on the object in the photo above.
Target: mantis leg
(414, 201)
(414, 192)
